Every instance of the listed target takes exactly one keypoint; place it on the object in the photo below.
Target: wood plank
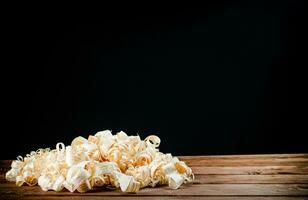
(228, 157)
(155, 197)
(235, 179)
(185, 190)
(250, 170)
(238, 160)
(248, 162)
(272, 176)
(260, 179)
(238, 170)
(247, 156)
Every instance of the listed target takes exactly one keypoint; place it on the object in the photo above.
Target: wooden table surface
(275, 176)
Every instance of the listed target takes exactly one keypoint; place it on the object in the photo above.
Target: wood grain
(251, 170)
(159, 197)
(282, 176)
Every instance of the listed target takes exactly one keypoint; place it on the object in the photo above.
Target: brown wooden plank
(237, 170)
(261, 170)
(227, 158)
(236, 160)
(284, 159)
(248, 156)
(185, 190)
(155, 197)
(282, 176)
(248, 162)
(235, 179)
(294, 157)
(267, 169)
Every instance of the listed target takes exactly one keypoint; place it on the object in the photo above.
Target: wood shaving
(118, 161)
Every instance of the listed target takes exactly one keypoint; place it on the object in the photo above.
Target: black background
(223, 78)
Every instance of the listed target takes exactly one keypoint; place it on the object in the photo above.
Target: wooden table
(279, 176)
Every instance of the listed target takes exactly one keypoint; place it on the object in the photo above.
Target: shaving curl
(104, 159)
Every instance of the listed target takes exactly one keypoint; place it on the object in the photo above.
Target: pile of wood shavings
(119, 161)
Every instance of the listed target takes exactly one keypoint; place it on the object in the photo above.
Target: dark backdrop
(224, 78)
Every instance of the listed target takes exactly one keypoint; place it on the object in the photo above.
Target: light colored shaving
(119, 161)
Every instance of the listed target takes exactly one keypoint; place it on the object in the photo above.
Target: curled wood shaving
(119, 161)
